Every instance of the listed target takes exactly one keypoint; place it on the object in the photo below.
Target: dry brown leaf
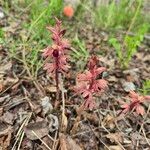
(63, 142)
(1, 87)
(114, 147)
(67, 143)
(93, 118)
(64, 122)
(51, 89)
(115, 137)
(1, 112)
(10, 81)
(137, 137)
(76, 124)
(72, 145)
(8, 117)
(109, 121)
(4, 129)
(112, 79)
(5, 67)
(48, 141)
(40, 128)
(5, 141)
(146, 58)
(5, 135)
(109, 62)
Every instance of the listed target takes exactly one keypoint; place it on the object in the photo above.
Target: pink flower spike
(57, 54)
(136, 103)
(89, 85)
(57, 51)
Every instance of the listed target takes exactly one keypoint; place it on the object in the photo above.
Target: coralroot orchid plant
(136, 103)
(89, 84)
(57, 53)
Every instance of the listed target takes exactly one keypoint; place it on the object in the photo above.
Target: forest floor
(28, 118)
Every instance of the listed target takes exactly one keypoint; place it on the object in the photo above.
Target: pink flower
(89, 85)
(136, 102)
(57, 51)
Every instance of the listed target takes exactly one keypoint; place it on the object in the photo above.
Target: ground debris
(115, 137)
(53, 122)
(8, 118)
(5, 135)
(128, 86)
(28, 119)
(67, 143)
(36, 130)
(46, 105)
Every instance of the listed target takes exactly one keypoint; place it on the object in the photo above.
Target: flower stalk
(135, 104)
(57, 54)
(88, 83)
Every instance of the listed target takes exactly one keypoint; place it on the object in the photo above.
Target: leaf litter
(30, 121)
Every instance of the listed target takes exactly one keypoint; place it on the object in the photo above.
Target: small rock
(53, 122)
(46, 105)
(128, 86)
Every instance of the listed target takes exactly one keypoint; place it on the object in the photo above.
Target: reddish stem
(57, 78)
(133, 104)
